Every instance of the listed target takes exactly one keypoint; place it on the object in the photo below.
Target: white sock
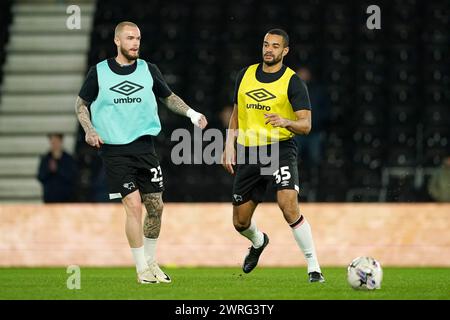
(150, 250)
(302, 234)
(254, 235)
(139, 259)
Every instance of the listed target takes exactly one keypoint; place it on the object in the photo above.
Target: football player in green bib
(117, 109)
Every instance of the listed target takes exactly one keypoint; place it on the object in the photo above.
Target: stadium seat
(405, 95)
(369, 115)
(338, 13)
(434, 156)
(437, 94)
(404, 12)
(404, 33)
(435, 115)
(404, 75)
(306, 54)
(403, 137)
(369, 95)
(368, 74)
(368, 136)
(367, 158)
(403, 54)
(403, 115)
(337, 33)
(436, 54)
(402, 157)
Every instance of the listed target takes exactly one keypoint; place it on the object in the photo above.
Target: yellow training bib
(256, 99)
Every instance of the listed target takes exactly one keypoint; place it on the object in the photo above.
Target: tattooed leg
(152, 223)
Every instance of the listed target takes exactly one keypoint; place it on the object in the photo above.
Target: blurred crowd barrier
(203, 235)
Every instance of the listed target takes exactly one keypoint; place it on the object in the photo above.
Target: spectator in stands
(310, 146)
(439, 185)
(57, 172)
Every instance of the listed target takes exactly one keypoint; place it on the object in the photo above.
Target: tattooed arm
(177, 105)
(152, 223)
(82, 111)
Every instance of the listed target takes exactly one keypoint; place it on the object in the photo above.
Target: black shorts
(127, 173)
(250, 184)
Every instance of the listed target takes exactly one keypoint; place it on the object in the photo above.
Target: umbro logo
(126, 88)
(260, 95)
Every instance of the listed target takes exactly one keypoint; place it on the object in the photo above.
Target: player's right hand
(229, 158)
(93, 139)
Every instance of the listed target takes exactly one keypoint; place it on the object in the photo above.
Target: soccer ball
(365, 273)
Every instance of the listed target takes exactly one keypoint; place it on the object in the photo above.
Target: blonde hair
(123, 24)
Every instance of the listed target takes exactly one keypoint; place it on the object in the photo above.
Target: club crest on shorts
(237, 197)
(129, 185)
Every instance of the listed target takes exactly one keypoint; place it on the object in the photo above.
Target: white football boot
(146, 277)
(160, 275)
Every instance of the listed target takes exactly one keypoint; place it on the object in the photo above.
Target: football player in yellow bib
(271, 106)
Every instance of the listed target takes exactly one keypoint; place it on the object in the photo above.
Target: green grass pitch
(220, 283)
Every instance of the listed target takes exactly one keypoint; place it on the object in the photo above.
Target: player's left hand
(276, 121)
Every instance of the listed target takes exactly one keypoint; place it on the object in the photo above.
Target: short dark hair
(55, 134)
(282, 33)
